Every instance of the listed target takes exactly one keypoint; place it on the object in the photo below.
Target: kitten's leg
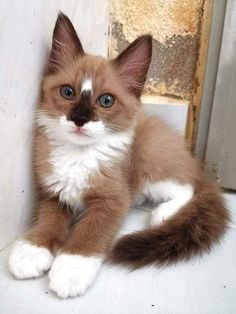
(32, 256)
(175, 196)
(76, 267)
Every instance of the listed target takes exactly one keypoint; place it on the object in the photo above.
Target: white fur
(28, 261)
(87, 86)
(60, 130)
(173, 196)
(73, 165)
(72, 275)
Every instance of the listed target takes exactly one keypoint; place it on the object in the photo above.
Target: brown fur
(52, 225)
(156, 154)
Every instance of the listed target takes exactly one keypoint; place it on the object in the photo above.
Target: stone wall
(175, 26)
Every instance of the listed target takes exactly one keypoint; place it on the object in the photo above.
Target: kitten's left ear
(65, 44)
(132, 64)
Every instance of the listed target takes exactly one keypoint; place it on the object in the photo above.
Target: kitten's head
(85, 97)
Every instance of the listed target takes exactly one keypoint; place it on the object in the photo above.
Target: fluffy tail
(190, 232)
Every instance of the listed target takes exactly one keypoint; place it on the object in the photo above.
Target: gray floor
(203, 286)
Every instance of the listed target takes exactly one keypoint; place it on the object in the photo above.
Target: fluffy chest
(71, 173)
(72, 168)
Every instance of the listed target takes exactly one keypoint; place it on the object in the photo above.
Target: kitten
(96, 154)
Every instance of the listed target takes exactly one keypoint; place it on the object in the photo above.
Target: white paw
(158, 216)
(156, 219)
(72, 275)
(163, 212)
(28, 261)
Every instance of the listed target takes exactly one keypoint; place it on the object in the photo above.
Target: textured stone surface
(175, 26)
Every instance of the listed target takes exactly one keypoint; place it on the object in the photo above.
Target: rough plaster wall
(174, 25)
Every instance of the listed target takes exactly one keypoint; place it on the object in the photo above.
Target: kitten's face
(86, 98)
(88, 101)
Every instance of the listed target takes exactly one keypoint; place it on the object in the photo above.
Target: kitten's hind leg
(173, 195)
(164, 211)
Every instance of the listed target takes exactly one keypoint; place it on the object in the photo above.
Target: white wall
(221, 144)
(26, 29)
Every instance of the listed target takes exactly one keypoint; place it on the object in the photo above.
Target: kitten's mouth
(80, 131)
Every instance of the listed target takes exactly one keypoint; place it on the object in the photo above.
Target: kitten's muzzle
(78, 119)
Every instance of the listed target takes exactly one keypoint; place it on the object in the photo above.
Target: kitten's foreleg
(32, 256)
(76, 267)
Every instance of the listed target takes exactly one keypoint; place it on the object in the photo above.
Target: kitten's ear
(65, 44)
(132, 64)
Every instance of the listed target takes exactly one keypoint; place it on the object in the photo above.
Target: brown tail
(192, 231)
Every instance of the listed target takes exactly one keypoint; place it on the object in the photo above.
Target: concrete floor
(202, 286)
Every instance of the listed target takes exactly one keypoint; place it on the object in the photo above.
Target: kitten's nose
(79, 120)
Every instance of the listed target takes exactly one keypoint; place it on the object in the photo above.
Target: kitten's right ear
(65, 44)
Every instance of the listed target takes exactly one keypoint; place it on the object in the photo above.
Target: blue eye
(67, 92)
(106, 100)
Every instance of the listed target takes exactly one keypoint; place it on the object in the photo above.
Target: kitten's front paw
(28, 261)
(72, 275)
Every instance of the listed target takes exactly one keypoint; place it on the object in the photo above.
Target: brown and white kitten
(96, 154)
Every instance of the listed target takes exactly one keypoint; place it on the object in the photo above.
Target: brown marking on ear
(133, 63)
(65, 44)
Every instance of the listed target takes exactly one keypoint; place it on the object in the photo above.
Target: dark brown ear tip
(62, 18)
(147, 38)
(144, 40)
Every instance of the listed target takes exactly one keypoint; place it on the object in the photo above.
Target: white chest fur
(73, 166)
